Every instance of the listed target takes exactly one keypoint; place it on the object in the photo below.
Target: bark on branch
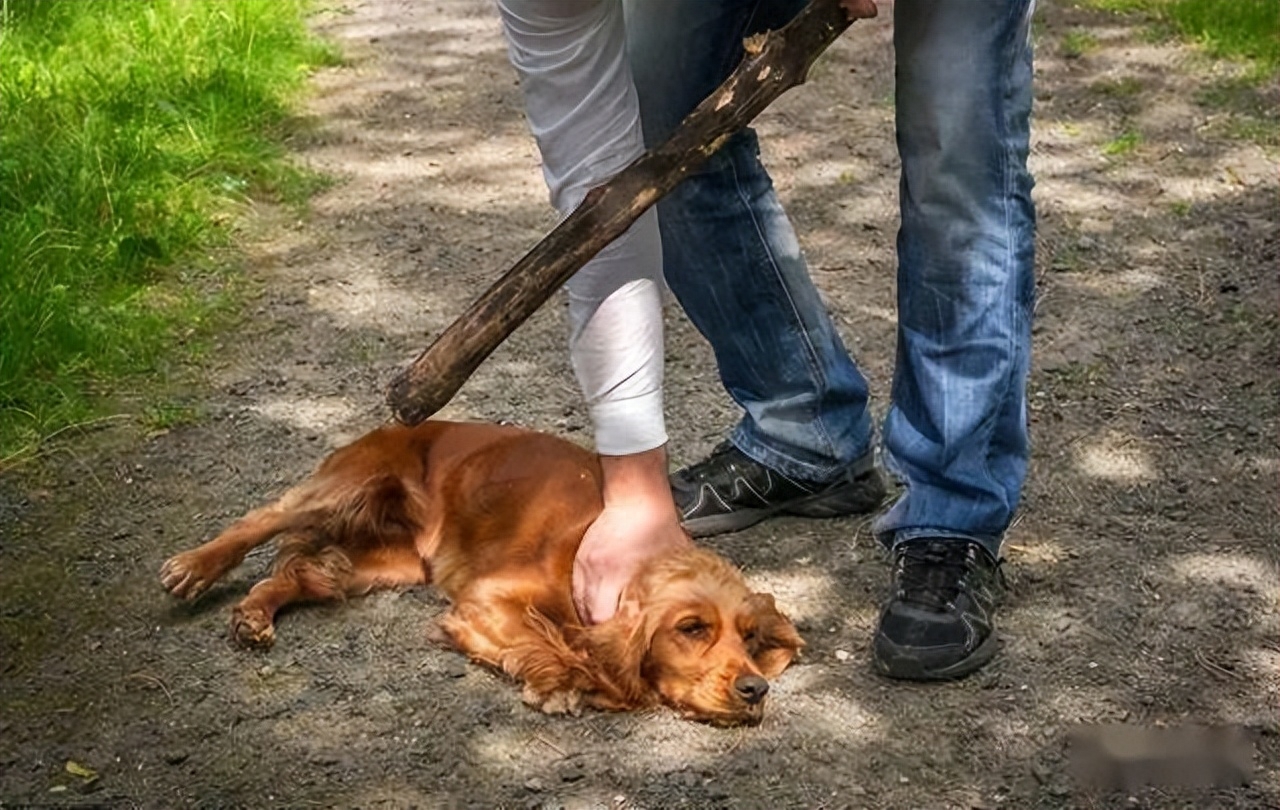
(774, 62)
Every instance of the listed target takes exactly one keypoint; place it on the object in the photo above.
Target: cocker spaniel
(492, 515)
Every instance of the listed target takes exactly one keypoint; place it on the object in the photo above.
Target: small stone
(572, 773)
(842, 655)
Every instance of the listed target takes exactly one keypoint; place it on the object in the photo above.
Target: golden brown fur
(493, 515)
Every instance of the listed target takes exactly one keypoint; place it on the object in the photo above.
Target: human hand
(859, 9)
(614, 548)
(639, 521)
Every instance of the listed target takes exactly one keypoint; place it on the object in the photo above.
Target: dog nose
(752, 688)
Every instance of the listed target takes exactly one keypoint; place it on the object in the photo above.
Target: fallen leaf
(76, 769)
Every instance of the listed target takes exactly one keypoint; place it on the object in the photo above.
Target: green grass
(1123, 144)
(131, 132)
(1077, 43)
(1247, 30)
(1125, 6)
(1243, 29)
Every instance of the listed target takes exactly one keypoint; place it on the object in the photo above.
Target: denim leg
(956, 431)
(731, 257)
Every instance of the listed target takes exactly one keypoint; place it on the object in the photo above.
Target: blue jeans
(956, 432)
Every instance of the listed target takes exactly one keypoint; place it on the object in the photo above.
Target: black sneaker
(728, 491)
(938, 623)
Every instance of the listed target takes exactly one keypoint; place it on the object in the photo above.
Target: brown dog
(493, 516)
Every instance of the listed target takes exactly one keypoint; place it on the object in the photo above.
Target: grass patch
(162, 416)
(1262, 131)
(1246, 30)
(132, 131)
(1076, 43)
(1125, 6)
(1240, 29)
(1123, 144)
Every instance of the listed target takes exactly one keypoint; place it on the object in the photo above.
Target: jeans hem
(892, 538)
(794, 468)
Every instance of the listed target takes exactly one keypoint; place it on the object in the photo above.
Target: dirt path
(1144, 566)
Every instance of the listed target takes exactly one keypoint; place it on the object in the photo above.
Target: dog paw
(568, 701)
(186, 575)
(252, 628)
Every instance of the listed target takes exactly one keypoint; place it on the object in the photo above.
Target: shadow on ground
(1143, 564)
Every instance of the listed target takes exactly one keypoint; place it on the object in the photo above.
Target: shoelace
(931, 575)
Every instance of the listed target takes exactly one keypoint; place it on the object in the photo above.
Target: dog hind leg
(301, 573)
(189, 574)
(388, 566)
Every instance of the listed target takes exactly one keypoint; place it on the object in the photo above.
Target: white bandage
(582, 109)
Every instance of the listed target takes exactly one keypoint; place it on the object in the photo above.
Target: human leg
(731, 256)
(956, 429)
(733, 261)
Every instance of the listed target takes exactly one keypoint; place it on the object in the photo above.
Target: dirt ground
(1143, 565)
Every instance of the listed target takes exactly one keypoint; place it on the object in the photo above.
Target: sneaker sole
(821, 505)
(901, 663)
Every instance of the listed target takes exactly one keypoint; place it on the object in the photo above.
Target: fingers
(859, 9)
(631, 530)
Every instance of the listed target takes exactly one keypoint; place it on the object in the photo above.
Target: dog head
(690, 633)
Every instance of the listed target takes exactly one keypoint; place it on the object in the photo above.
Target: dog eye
(693, 627)
(749, 636)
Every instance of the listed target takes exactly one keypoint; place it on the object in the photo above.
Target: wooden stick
(774, 62)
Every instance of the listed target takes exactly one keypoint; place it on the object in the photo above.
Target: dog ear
(618, 650)
(777, 641)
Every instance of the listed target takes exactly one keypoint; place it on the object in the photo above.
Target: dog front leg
(296, 577)
(522, 644)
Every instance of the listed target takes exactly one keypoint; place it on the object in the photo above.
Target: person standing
(599, 74)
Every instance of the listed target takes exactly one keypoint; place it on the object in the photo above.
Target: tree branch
(774, 62)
